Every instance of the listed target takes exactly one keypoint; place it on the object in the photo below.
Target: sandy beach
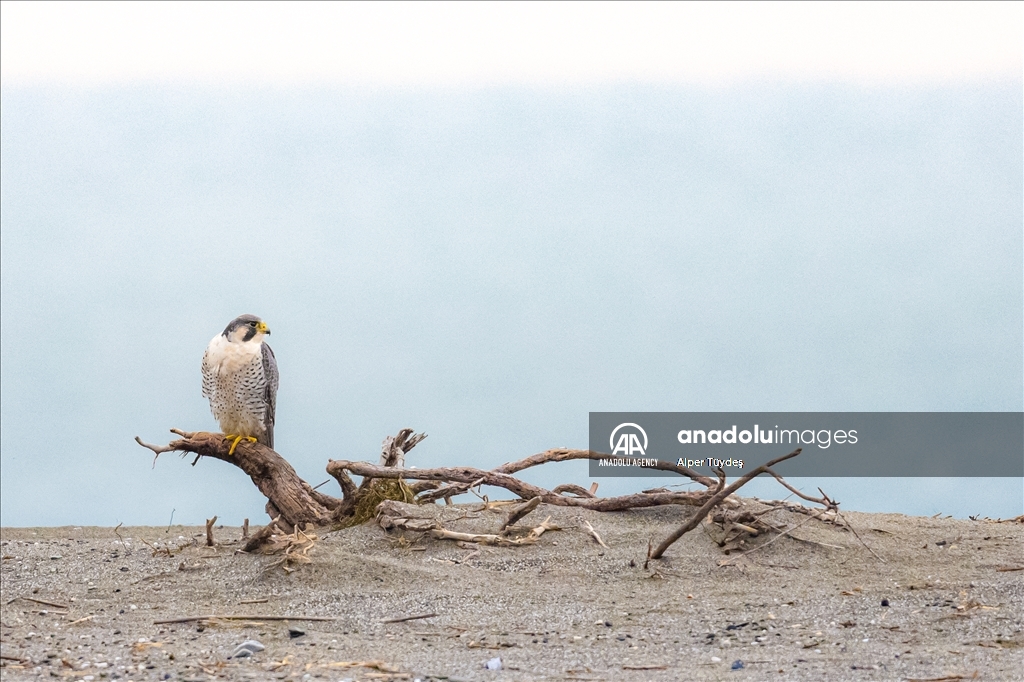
(943, 599)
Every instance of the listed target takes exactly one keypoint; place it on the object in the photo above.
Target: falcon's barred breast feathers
(240, 378)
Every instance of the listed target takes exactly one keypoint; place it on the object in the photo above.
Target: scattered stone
(246, 649)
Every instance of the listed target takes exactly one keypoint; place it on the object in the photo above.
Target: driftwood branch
(573, 489)
(565, 455)
(593, 534)
(295, 499)
(519, 512)
(392, 515)
(473, 477)
(209, 531)
(722, 493)
(292, 503)
(261, 536)
(233, 616)
(441, 492)
(495, 540)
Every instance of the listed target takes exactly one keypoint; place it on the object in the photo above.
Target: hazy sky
(485, 220)
(419, 43)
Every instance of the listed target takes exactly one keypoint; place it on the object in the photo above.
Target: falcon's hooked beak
(262, 327)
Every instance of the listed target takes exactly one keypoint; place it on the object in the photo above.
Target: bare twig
(119, 538)
(573, 489)
(564, 454)
(157, 449)
(545, 525)
(209, 531)
(442, 492)
(726, 562)
(823, 500)
(408, 618)
(261, 536)
(520, 511)
(593, 534)
(40, 601)
(722, 493)
(193, 619)
(423, 486)
(828, 515)
(480, 538)
(847, 522)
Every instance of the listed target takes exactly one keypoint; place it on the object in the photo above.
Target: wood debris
(593, 534)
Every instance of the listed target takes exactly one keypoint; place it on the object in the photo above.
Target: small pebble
(737, 665)
(247, 648)
(885, 602)
(493, 664)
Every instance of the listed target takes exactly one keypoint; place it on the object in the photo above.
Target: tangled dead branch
(465, 478)
(392, 516)
(292, 503)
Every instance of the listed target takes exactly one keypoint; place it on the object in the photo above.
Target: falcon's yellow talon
(236, 440)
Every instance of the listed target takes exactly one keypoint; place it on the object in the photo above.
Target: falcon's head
(245, 328)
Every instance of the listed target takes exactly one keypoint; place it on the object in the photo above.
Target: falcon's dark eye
(252, 324)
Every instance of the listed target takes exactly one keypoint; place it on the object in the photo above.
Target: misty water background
(489, 265)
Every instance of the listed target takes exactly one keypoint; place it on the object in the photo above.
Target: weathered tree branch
(295, 499)
(714, 500)
(564, 455)
(469, 475)
(520, 511)
(293, 503)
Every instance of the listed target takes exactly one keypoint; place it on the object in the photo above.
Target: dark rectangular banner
(861, 444)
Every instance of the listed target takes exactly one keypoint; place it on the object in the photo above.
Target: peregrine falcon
(240, 378)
